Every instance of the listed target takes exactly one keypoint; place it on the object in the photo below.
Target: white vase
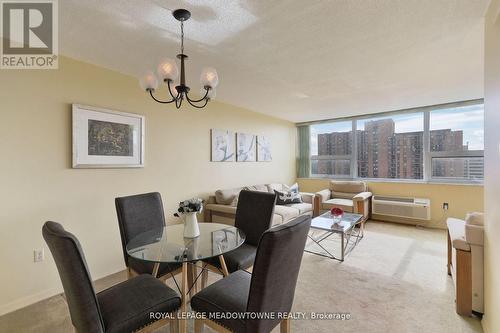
(191, 229)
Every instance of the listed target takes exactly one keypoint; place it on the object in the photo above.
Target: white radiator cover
(411, 208)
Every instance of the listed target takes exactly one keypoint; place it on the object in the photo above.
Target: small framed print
(107, 139)
(246, 147)
(222, 143)
(264, 149)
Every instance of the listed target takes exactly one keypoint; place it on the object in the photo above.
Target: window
(391, 147)
(457, 142)
(442, 143)
(331, 149)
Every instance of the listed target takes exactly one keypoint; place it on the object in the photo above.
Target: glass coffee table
(324, 226)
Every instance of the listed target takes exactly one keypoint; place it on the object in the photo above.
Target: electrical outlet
(445, 206)
(38, 255)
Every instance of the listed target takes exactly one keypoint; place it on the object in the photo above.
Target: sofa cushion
(287, 213)
(277, 219)
(274, 187)
(343, 195)
(287, 197)
(474, 234)
(347, 186)
(226, 197)
(345, 204)
(475, 218)
(221, 208)
(258, 188)
(456, 230)
(302, 207)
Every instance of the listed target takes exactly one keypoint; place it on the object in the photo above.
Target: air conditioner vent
(411, 208)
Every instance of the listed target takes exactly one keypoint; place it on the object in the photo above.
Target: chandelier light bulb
(148, 81)
(209, 77)
(168, 70)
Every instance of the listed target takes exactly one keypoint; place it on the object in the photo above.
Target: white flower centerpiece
(188, 210)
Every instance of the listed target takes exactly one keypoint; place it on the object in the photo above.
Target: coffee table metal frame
(349, 235)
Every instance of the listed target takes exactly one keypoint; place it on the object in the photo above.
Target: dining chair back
(275, 271)
(75, 277)
(137, 214)
(254, 214)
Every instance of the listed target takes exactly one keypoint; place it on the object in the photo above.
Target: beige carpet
(394, 281)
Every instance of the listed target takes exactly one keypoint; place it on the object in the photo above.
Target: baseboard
(37, 297)
(424, 224)
(29, 300)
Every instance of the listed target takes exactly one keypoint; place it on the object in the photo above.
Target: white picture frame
(222, 145)
(246, 147)
(104, 138)
(264, 152)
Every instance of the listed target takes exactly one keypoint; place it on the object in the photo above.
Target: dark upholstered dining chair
(137, 214)
(269, 289)
(254, 215)
(125, 307)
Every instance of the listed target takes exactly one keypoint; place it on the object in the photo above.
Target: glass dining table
(167, 245)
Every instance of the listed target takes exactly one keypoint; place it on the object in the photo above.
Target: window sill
(403, 181)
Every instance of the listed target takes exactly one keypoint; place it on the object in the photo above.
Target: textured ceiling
(298, 60)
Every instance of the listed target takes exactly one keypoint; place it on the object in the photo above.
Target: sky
(470, 119)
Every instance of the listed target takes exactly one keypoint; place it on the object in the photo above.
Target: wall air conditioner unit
(410, 208)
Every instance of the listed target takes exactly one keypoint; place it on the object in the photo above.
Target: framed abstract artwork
(246, 147)
(264, 149)
(107, 139)
(222, 142)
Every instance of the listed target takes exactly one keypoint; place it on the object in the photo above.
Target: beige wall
(491, 319)
(461, 198)
(38, 184)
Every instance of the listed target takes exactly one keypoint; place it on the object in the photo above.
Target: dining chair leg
(285, 326)
(184, 289)
(223, 266)
(198, 325)
(174, 324)
(156, 268)
(190, 279)
(204, 278)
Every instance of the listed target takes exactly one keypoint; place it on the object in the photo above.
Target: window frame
(428, 155)
(335, 157)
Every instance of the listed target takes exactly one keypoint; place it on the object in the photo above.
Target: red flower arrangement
(337, 211)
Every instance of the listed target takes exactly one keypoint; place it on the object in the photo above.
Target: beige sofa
(465, 262)
(221, 207)
(350, 196)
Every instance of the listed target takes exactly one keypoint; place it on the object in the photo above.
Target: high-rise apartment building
(383, 153)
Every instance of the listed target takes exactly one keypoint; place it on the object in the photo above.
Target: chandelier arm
(198, 106)
(198, 100)
(159, 101)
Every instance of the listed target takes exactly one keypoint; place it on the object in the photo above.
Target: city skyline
(382, 152)
(469, 119)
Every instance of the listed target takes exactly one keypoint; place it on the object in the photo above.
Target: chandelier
(168, 72)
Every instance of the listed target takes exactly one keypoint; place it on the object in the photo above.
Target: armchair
(350, 196)
(465, 262)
